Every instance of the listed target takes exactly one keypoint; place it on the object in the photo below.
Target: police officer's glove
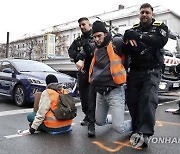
(172, 70)
(131, 34)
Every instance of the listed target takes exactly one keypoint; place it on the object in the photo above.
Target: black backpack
(66, 108)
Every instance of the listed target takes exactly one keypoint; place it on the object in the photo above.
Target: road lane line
(18, 135)
(20, 111)
(174, 101)
(12, 112)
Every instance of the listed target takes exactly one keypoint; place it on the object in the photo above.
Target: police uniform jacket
(148, 54)
(79, 44)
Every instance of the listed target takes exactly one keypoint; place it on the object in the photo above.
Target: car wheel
(19, 95)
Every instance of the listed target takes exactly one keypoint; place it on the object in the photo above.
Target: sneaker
(84, 122)
(176, 112)
(138, 140)
(91, 130)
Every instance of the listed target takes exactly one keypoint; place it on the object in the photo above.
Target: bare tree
(2, 50)
(31, 43)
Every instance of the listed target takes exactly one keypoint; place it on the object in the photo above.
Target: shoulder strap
(157, 23)
(136, 25)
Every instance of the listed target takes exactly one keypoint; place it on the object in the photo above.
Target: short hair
(82, 19)
(146, 5)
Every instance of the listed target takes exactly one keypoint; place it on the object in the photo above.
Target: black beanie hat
(51, 79)
(99, 26)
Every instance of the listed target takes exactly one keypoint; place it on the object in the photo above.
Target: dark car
(20, 79)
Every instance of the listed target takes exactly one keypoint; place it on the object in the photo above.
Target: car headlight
(162, 85)
(36, 81)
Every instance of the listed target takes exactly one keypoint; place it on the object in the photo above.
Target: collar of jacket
(87, 34)
(146, 27)
(106, 41)
(54, 86)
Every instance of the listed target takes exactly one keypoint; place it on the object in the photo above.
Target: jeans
(114, 103)
(42, 127)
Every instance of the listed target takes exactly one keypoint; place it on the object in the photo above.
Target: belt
(105, 90)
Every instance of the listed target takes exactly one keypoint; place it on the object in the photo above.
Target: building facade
(32, 46)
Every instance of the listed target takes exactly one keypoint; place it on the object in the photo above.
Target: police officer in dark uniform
(144, 43)
(79, 44)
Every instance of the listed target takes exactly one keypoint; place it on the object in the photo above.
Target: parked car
(20, 79)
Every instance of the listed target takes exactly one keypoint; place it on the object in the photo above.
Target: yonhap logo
(137, 140)
(164, 140)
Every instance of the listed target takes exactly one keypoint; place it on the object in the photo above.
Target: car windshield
(32, 66)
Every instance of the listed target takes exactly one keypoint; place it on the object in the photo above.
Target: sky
(19, 17)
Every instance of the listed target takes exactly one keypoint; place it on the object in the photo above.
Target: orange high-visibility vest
(50, 120)
(116, 68)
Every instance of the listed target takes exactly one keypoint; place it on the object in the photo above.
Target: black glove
(131, 34)
(32, 130)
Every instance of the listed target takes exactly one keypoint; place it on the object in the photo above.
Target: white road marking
(18, 135)
(20, 111)
(174, 101)
(12, 112)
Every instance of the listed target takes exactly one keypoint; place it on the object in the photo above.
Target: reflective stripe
(119, 73)
(115, 62)
(50, 118)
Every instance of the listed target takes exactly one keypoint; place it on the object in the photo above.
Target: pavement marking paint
(168, 123)
(174, 101)
(13, 112)
(119, 146)
(18, 135)
(20, 111)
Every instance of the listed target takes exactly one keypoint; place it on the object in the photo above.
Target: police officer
(81, 43)
(144, 43)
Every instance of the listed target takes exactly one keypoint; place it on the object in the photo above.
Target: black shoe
(138, 140)
(84, 122)
(176, 112)
(91, 130)
(145, 144)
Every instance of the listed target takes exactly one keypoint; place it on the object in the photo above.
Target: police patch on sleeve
(163, 32)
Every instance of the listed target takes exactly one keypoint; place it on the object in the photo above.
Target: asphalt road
(165, 140)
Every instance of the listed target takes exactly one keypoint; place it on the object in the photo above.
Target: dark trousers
(92, 104)
(142, 99)
(83, 90)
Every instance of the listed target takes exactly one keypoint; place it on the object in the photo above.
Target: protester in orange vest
(44, 119)
(108, 76)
